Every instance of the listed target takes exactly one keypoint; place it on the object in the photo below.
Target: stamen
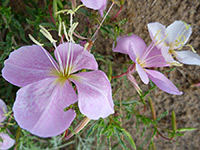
(72, 53)
(50, 38)
(69, 10)
(59, 29)
(62, 11)
(146, 53)
(146, 60)
(191, 48)
(68, 65)
(70, 38)
(86, 45)
(65, 32)
(157, 34)
(175, 64)
(71, 47)
(152, 45)
(182, 36)
(75, 10)
(161, 40)
(186, 25)
(71, 30)
(152, 64)
(47, 34)
(180, 43)
(36, 42)
(59, 59)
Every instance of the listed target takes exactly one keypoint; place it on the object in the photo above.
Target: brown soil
(186, 106)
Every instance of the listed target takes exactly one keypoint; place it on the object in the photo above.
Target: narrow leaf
(130, 139)
(174, 121)
(186, 129)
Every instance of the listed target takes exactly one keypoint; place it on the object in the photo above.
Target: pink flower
(172, 38)
(144, 58)
(7, 141)
(46, 87)
(96, 5)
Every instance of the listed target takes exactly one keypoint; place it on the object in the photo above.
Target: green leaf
(186, 129)
(55, 8)
(179, 134)
(114, 93)
(110, 132)
(109, 70)
(153, 147)
(60, 4)
(130, 139)
(173, 121)
(119, 138)
(162, 116)
(106, 129)
(92, 129)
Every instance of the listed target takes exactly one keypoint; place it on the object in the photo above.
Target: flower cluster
(50, 87)
(159, 53)
(172, 38)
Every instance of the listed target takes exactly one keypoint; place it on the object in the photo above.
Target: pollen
(171, 51)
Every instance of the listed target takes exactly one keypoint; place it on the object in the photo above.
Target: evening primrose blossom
(146, 57)
(6, 142)
(47, 85)
(46, 88)
(172, 38)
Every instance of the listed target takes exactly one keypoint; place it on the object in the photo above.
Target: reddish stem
(80, 37)
(165, 137)
(75, 88)
(66, 132)
(117, 13)
(61, 39)
(130, 70)
(50, 12)
(144, 109)
(121, 75)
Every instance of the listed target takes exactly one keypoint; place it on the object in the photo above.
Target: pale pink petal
(157, 32)
(162, 82)
(39, 107)
(103, 7)
(132, 53)
(177, 29)
(155, 58)
(188, 57)
(94, 94)
(167, 56)
(93, 4)
(7, 141)
(142, 74)
(123, 45)
(81, 59)
(27, 65)
(3, 110)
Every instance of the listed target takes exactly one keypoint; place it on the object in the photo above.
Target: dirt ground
(186, 106)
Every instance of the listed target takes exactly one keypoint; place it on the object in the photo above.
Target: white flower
(172, 38)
